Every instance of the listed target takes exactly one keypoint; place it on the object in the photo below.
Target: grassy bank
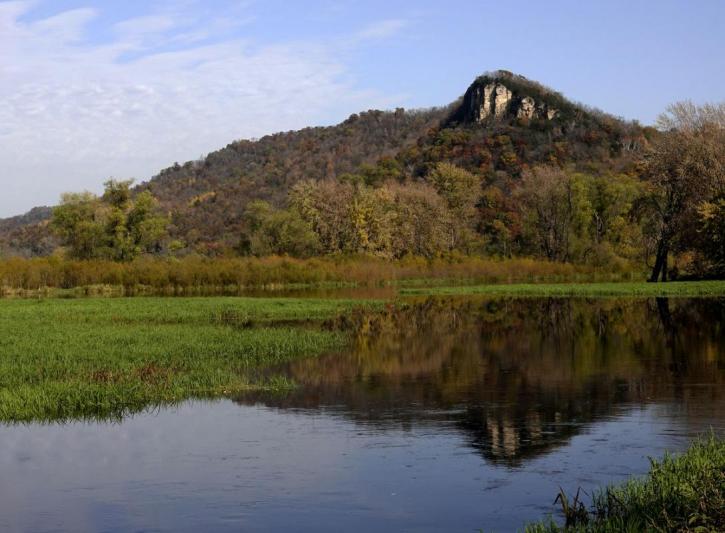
(198, 276)
(643, 289)
(680, 493)
(99, 357)
(63, 359)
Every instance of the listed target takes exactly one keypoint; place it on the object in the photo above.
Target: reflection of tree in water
(517, 376)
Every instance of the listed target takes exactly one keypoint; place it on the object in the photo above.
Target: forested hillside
(28, 234)
(511, 169)
(206, 199)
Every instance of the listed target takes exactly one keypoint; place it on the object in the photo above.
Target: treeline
(458, 192)
(206, 199)
(349, 216)
(203, 275)
(667, 212)
(554, 214)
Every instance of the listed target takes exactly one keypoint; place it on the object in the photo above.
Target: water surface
(449, 415)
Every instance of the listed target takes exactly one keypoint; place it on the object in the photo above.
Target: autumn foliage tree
(461, 191)
(392, 220)
(685, 172)
(576, 217)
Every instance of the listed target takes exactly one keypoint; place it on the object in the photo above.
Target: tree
(279, 232)
(75, 222)
(684, 169)
(370, 218)
(115, 226)
(711, 237)
(347, 216)
(421, 221)
(499, 221)
(145, 227)
(117, 193)
(325, 205)
(613, 230)
(578, 217)
(546, 200)
(392, 220)
(462, 191)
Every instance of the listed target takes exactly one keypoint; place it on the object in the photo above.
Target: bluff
(504, 95)
(502, 124)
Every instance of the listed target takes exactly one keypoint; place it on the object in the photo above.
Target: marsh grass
(197, 276)
(101, 357)
(639, 289)
(680, 493)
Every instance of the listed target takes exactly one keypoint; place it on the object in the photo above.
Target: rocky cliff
(501, 95)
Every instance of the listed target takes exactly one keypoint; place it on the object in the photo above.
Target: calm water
(451, 415)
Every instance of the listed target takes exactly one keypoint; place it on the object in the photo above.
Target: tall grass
(62, 359)
(197, 275)
(681, 493)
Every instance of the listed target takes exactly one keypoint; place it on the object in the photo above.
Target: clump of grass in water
(681, 493)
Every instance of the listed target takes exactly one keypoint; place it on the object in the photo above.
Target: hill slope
(501, 125)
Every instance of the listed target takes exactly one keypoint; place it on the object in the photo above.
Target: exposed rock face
(527, 108)
(494, 100)
(501, 100)
(491, 100)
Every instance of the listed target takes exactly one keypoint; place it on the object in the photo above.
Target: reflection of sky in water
(222, 466)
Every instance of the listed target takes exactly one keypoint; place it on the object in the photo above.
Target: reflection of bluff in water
(518, 376)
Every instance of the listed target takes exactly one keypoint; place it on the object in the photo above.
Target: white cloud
(145, 25)
(382, 29)
(73, 113)
(66, 27)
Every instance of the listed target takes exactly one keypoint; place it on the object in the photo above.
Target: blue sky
(90, 90)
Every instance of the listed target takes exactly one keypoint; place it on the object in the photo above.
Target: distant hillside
(207, 197)
(501, 125)
(27, 235)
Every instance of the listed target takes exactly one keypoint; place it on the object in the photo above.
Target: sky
(92, 90)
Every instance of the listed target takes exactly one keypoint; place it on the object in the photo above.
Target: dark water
(450, 415)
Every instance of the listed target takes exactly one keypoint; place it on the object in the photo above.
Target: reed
(680, 493)
(198, 275)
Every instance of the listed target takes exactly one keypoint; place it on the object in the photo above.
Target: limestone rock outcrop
(492, 99)
(527, 108)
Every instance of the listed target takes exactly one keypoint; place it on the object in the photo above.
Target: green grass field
(107, 357)
(623, 289)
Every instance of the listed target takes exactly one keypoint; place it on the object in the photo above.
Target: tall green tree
(577, 217)
(278, 232)
(116, 226)
(77, 223)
